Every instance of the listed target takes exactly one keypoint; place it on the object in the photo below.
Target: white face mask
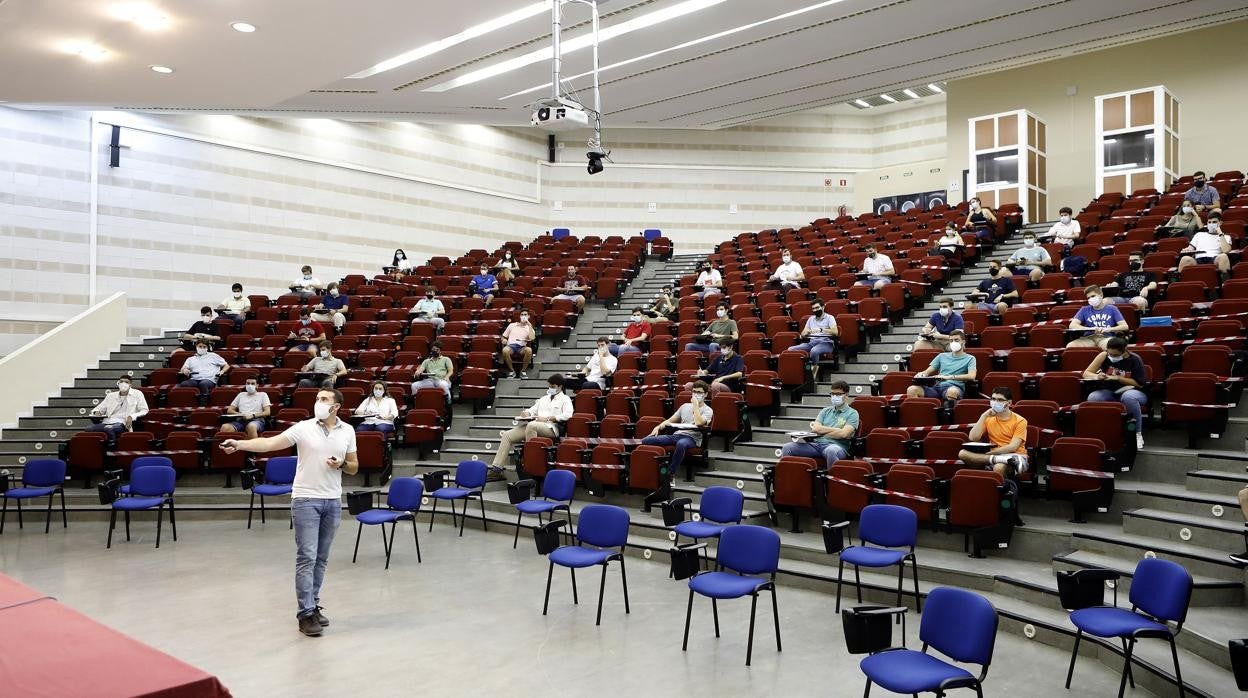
(378, 392)
(552, 391)
(998, 406)
(201, 350)
(955, 347)
(307, 277)
(1187, 209)
(523, 318)
(238, 295)
(787, 259)
(400, 256)
(123, 386)
(1094, 301)
(324, 353)
(1065, 219)
(721, 312)
(603, 350)
(206, 317)
(974, 205)
(946, 312)
(636, 318)
(836, 400)
(1214, 226)
(333, 292)
(1029, 243)
(251, 389)
(322, 410)
(700, 397)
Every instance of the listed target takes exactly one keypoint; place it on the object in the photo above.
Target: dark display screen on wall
(923, 201)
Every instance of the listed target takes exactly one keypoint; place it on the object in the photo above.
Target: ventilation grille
(899, 96)
(337, 92)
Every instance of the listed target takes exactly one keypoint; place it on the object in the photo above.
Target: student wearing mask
(994, 293)
(820, 333)
(836, 426)
(236, 306)
(1120, 377)
(952, 369)
(664, 307)
(399, 261)
(1066, 230)
(709, 279)
(1100, 318)
(725, 371)
(333, 307)
(596, 370)
(1186, 220)
(379, 411)
(550, 410)
(878, 268)
(573, 288)
(789, 274)
(307, 335)
(1202, 195)
(250, 409)
(436, 371)
(721, 329)
(516, 338)
(429, 310)
(508, 267)
(306, 285)
(203, 370)
(119, 409)
(950, 242)
(326, 367)
(484, 285)
(980, 218)
(1210, 246)
(203, 328)
(936, 333)
(1006, 431)
(698, 413)
(1136, 285)
(634, 334)
(1030, 259)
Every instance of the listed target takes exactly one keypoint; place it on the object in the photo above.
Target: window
(1129, 151)
(1000, 167)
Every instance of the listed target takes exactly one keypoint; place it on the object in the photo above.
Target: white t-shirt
(253, 403)
(559, 407)
(1207, 244)
(788, 271)
(880, 266)
(314, 444)
(709, 278)
(238, 306)
(302, 284)
(1066, 231)
(385, 409)
(599, 364)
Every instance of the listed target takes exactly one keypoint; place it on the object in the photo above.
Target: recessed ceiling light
(243, 27)
(143, 16)
(910, 93)
(162, 69)
(934, 87)
(886, 98)
(92, 52)
(861, 103)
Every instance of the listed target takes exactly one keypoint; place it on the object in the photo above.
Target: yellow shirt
(1002, 431)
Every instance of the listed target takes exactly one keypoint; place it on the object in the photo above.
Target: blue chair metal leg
(918, 600)
(858, 582)
(1178, 675)
(20, 523)
(47, 525)
(575, 600)
(263, 519)
(1126, 668)
(715, 615)
(516, 540)
(416, 536)
(432, 513)
(251, 507)
(840, 573)
(173, 522)
(1074, 653)
(602, 591)
(550, 570)
(64, 514)
(484, 523)
(390, 546)
(775, 614)
(160, 520)
(624, 580)
(749, 645)
(4, 511)
(688, 615)
(359, 530)
(1130, 674)
(112, 523)
(463, 517)
(127, 526)
(867, 692)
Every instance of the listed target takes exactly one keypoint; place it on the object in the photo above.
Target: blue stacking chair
(44, 477)
(720, 507)
(402, 504)
(144, 462)
(1161, 591)
(745, 552)
(279, 479)
(470, 478)
(601, 536)
(558, 489)
(884, 526)
(151, 487)
(957, 623)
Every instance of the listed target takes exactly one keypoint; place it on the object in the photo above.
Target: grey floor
(466, 622)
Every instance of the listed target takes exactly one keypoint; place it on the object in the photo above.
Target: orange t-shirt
(1002, 431)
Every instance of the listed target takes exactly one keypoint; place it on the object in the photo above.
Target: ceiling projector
(560, 115)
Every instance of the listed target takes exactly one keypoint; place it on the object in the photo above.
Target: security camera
(595, 161)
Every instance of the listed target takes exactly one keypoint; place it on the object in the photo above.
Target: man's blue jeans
(316, 522)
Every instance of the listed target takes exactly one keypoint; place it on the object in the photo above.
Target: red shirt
(576, 281)
(636, 329)
(308, 331)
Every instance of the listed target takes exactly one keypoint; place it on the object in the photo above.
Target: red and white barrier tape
(1098, 474)
(592, 466)
(877, 490)
(149, 453)
(1188, 404)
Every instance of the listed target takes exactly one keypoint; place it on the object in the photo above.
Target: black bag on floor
(834, 536)
(360, 501)
(108, 490)
(520, 491)
(547, 537)
(674, 511)
(1239, 663)
(1078, 589)
(868, 629)
(686, 560)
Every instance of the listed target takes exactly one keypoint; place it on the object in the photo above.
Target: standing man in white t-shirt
(326, 449)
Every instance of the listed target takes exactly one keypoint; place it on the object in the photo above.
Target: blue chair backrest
(44, 472)
(651, 233)
(152, 481)
(749, 549)
(560, 233)
(960, 624)
(722, 504)
(280, 470)
(559, 485)
(888, 525)
(603, 525)
(148, 461)
(405, 493)
(471, 474)
(1162, 589)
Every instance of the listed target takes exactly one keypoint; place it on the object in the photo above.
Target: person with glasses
(1006, 431)
(836, 425)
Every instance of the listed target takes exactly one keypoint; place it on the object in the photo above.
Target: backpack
(1075, 265)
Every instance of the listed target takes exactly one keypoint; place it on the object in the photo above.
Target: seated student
(203, 370)
(203, 328)
(634, 334)
(720, 330)
(399, 260)
(1066, 230)
(1101, 320)
(379, 410)
(709, 279)
(436, 371)
(878, 268)
(725, 371)
(306, 285)
(1006, 431)
(995, 292)
(516, 338)
(1134, 286)
(980, 219)
(1122, 376)
(508, 267)
(573, 288)
(1242, 558)
(936, 333)
(250, 407)
(484, 285)
(1186, 220)
(664, 308)
(1202, 196)
(119, 408)
(327, 367)
(789, 274)
(547, 413)
(836, 425)
(696, 412)
(333, 307)
(952, 369)
(429, 311)
(1210, 246)
(236, 306)
(307, 335)
(950, 242)
(596, 370)
(1030, 259)
(820, 333)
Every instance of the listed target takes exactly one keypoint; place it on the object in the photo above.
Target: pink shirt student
(516, 334)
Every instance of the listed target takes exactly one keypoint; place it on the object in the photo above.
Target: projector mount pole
(595, 141)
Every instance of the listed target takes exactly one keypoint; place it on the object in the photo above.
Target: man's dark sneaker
(495, 474)
(1011, 468)
(309, 626)
(1241, 558)
(320, 617)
